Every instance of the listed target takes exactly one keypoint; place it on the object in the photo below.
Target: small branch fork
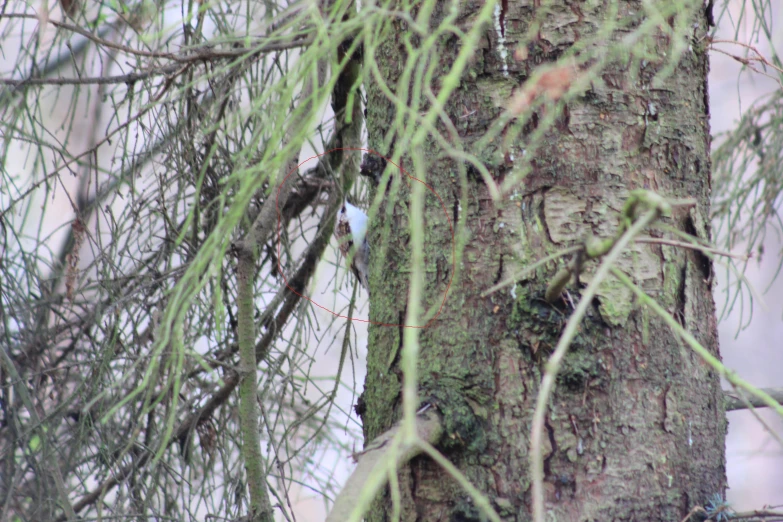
(749, 61)
(760, 515)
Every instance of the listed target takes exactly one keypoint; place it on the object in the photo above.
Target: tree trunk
(635, 429)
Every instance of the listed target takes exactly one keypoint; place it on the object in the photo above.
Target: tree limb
(260, 507)
(373, 464)
(734, 401)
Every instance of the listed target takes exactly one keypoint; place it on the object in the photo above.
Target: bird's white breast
(357, 220)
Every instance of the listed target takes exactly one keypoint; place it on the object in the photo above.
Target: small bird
(351, 234)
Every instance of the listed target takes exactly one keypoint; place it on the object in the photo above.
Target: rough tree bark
(635, 430)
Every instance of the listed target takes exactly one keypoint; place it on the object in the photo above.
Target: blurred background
(754, 347)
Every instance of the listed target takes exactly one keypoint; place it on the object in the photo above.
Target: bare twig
(53, 466)
(692, 246)
(761, 514)
(193, 54)
(98, 80)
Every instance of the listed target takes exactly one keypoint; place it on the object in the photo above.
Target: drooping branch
(230, 381)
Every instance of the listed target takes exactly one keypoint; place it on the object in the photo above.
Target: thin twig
(193, 54)
(692, 246)
(53, 466)
(96, 80)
